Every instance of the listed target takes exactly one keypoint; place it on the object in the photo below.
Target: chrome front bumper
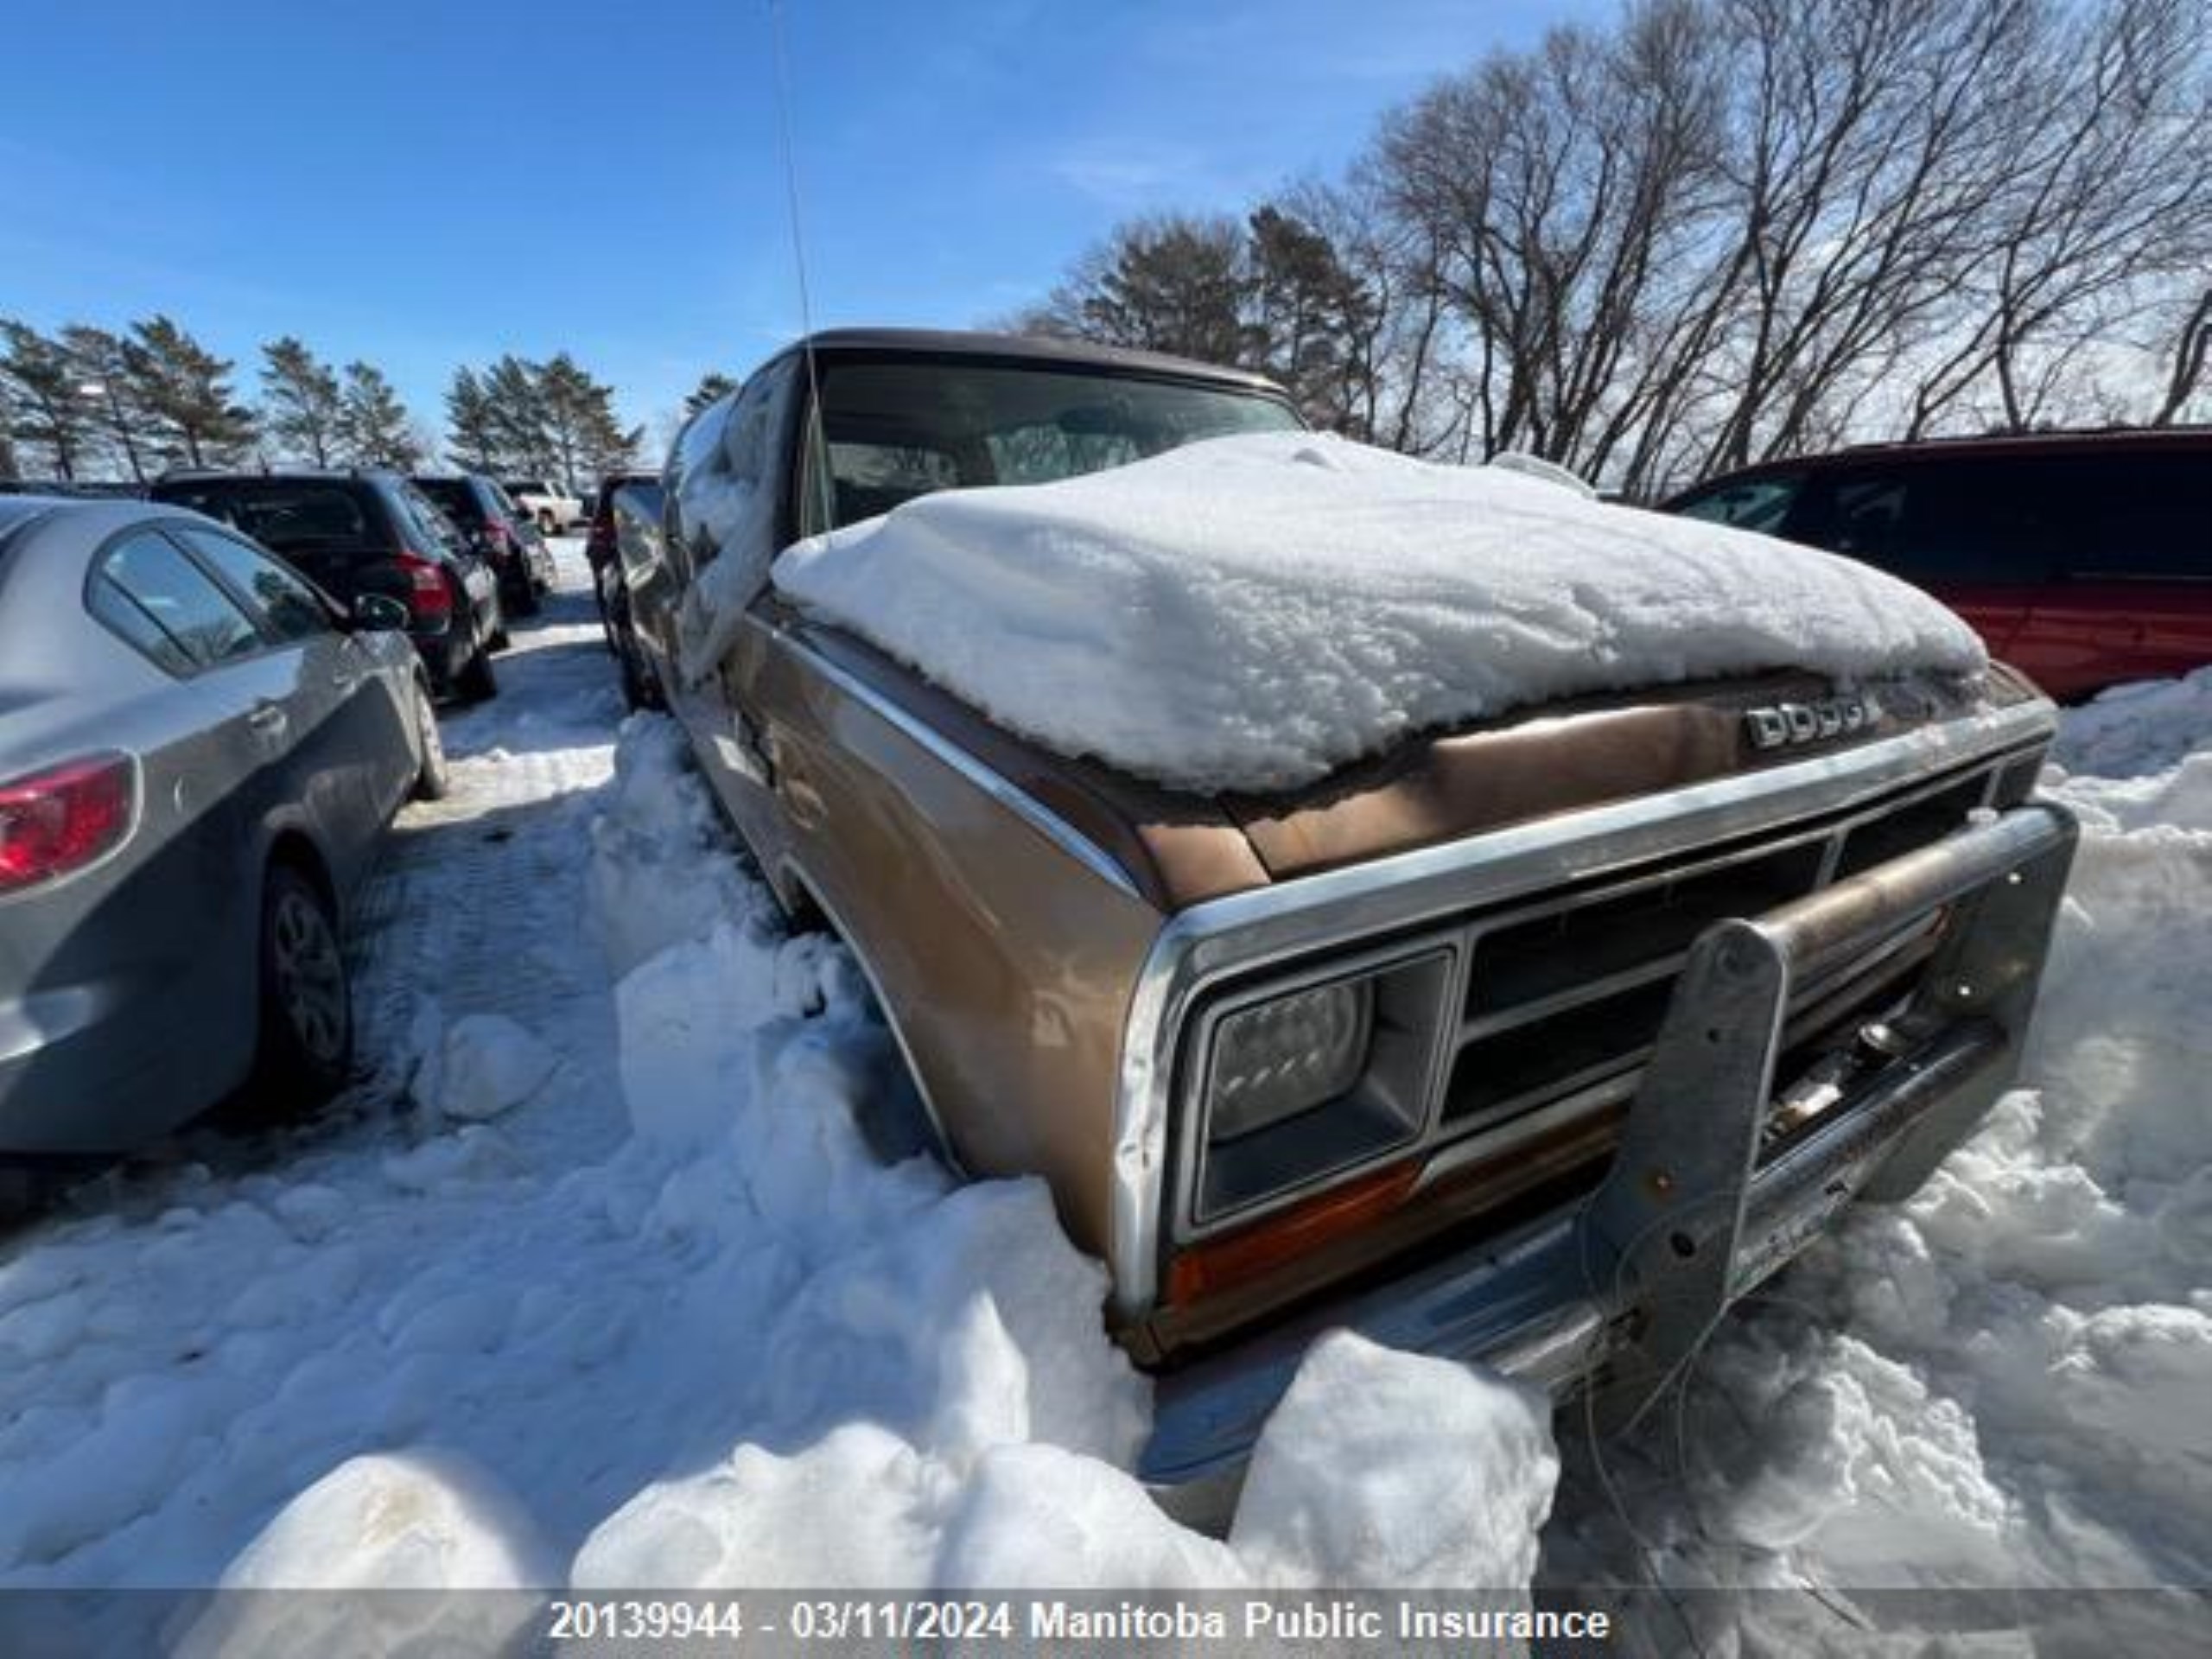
(1616, 1292)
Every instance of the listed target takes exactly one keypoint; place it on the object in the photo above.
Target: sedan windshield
(900, 429)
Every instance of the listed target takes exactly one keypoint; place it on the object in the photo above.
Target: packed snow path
(593, 1280)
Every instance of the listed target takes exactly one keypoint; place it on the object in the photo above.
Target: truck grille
(1565, 998)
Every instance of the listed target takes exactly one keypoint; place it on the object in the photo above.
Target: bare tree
(2191, 350)
(1567, 193)
(1719, 230)
(2105, 207)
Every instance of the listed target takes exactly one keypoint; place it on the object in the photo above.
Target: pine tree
(46, 405)
(472, 424)
(374, 427)
(1173, 284)
(1305, 309)
(588, 439)
(564, 394)
(518, 416)
(303, 411)
(106, 384)
(9, 470)
(184, 391)
(712, 384)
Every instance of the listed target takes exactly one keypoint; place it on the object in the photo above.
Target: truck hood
(1180, 848)
(1259, 612)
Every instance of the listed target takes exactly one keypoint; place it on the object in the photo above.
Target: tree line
(1717, 232)
(85, 402)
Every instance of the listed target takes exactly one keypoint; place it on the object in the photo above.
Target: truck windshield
(897, 430)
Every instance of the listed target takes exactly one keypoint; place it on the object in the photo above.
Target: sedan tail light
(429, 594)
(61, 820)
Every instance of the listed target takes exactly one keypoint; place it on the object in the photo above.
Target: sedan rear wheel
(306, 1044)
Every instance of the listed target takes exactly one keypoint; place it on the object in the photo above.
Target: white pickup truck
(555, 510)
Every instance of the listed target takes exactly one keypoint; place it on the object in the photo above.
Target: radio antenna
(818, 439)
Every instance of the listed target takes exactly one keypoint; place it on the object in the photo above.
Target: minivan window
(1758, 503)
(2140, 517)
(1991, 519)
(204, 620)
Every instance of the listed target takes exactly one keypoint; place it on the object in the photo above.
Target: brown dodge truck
(1536, 1041)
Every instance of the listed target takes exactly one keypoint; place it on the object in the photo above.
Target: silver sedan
(199, 753)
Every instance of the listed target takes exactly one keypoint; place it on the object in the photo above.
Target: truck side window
(721, 470)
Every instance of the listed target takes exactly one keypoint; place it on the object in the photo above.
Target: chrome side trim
(1042, 819)
(1244, 931)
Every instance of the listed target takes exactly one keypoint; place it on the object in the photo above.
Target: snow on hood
(1253, 612)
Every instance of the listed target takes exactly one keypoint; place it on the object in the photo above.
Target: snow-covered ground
(596, 1282)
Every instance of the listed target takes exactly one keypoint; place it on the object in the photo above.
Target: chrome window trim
(1246, 930)
(1046, 822)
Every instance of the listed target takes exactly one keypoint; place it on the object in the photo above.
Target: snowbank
(1252, 612)
(2134, 730)
(727, 1345)
(1394, 1471)
(930, 1396)
(2003, 1382)
(488, 1065)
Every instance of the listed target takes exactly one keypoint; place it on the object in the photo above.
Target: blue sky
(423, 183)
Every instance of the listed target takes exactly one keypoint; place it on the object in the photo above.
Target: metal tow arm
(1665, 1235)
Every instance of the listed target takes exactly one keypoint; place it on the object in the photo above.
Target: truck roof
(967, 343)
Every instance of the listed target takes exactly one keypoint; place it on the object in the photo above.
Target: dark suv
(500, 532)
(2085, 558)
(369, 532)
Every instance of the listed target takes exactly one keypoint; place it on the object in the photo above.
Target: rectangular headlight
(1315, 1078)
(1277, 1059)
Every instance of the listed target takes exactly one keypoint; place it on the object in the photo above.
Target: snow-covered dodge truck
(1370, 893)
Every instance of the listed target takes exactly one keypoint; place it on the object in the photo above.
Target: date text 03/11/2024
(1283, 1618)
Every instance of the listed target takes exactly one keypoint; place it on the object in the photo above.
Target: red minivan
(2083, 558)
